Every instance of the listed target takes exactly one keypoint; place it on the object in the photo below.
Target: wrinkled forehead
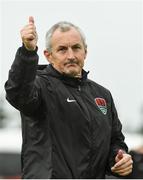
(66, 30)
(71, 36)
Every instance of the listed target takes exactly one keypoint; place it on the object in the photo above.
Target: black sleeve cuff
(27, 52)
(27, 56)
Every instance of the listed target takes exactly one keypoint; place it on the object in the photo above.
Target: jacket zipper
(79, 88)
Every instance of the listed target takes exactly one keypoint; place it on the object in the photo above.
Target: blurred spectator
(137, 155)
(10, 167)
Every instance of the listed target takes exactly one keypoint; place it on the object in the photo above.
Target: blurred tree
(141, 116)
(2, 113)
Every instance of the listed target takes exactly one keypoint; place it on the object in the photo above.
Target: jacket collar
(51, 71)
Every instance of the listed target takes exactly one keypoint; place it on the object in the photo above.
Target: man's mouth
(71, 64)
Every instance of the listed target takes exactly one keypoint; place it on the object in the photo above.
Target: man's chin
(72, 73)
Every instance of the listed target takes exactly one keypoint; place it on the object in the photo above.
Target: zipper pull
(79, 88)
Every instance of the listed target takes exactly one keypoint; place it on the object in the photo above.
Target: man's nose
(70, 53)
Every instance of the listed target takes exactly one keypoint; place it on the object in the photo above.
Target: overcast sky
(114, 36)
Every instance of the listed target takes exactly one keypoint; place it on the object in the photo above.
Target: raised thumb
(31, 20)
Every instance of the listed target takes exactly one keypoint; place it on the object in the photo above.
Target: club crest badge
(101, 103)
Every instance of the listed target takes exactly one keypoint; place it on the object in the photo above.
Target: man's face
(68, 52)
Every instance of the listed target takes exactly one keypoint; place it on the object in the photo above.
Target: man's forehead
(72, 32)
(71, 37)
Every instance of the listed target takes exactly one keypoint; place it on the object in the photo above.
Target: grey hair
(63, 26)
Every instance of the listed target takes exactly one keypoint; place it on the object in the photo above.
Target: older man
(70, 125)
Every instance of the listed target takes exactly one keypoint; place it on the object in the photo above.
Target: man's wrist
(27, 52)
(29, 49)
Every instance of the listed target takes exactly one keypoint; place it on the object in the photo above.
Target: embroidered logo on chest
(102, 105)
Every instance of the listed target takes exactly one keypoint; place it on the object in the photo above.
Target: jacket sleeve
(117, 137)
(22, 90)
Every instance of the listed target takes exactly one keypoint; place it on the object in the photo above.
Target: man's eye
(76, 47)
(62, 49)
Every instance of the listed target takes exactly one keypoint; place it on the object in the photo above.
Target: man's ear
(47, 54)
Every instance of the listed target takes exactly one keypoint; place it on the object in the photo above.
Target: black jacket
(70, 126)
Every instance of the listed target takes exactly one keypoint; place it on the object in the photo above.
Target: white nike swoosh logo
(71, 100)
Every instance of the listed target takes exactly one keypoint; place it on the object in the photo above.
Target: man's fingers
(122, 170)
(123, 166)
(125, 159)
(31, 20)
(124, 173)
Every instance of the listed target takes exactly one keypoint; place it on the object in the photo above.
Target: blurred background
(114, 36)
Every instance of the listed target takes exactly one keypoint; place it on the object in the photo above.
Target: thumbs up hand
(123, 164)
(29, 35)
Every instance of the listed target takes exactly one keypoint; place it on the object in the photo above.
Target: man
(70, 125)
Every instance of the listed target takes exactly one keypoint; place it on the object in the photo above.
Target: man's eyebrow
(66, 46)
(62, 46)
(76, 45)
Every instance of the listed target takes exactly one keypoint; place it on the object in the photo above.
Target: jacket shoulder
(98, 87)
